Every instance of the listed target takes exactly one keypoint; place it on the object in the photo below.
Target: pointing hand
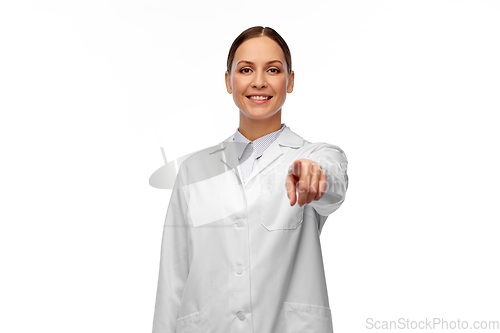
(309, 178)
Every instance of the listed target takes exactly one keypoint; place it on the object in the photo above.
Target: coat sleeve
(334, 162)
(174, 259)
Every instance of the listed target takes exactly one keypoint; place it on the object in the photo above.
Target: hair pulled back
(258, 31)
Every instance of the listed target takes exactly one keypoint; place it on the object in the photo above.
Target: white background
(90, 91)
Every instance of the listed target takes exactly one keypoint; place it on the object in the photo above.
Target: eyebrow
(267, 63)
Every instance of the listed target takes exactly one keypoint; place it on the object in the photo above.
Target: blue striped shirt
(254, 149)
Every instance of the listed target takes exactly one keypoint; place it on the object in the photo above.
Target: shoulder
(317, 148)
(203, 157)
(207, 162)
(322, 147)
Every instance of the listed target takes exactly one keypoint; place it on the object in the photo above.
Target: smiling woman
(259, 76)
(241, 251)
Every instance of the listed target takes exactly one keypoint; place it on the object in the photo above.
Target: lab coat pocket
(276, 212)
(306, 318)
(190, 323)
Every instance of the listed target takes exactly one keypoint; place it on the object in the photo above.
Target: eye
(244, 70)
(275, 70)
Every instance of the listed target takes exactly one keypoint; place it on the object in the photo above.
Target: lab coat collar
(286, 138)
(229, 153)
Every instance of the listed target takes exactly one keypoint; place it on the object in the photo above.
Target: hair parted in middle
(258, 31)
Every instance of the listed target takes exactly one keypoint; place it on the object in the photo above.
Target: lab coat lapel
(270, 154)
(287, 139)
(229, 152)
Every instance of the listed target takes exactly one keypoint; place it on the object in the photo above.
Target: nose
(259, 80)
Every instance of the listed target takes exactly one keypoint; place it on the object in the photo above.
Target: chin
(257, 112)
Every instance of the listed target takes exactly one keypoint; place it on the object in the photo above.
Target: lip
(259, 102)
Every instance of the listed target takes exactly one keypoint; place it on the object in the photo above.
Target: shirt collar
(259, 144)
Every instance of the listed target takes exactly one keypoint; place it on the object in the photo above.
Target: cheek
(279, 86)
(239, 85)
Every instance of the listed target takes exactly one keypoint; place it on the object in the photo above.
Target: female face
(259, 79)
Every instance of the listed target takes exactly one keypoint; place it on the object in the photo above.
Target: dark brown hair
(257, 32)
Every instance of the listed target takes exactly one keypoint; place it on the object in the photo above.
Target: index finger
(290, 186)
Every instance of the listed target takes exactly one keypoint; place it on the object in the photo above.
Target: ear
(228, 83)
(291, 78)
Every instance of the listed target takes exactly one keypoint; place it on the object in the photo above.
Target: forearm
(334, 163)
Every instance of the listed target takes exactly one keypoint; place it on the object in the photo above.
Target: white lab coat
(235, 256)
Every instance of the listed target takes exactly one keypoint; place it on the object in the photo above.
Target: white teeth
(259, 98)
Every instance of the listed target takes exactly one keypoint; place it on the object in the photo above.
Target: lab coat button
(239, 223)
(239, 269)
(241, 315)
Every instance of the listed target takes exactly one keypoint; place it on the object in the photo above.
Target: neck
(253, 128)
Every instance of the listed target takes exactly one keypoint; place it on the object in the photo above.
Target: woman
(240, 250)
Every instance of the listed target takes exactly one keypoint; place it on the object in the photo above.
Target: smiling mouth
(259, 98)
